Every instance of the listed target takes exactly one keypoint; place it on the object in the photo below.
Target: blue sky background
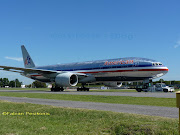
(64, 31)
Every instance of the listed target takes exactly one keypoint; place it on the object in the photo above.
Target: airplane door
(136, 64)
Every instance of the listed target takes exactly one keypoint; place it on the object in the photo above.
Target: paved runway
(133, 94)
(170, 112)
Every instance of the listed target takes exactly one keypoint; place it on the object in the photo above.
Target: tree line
(173, 82)
(14, 83)
(37, 84)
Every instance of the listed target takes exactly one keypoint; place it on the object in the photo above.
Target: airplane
(111, 72)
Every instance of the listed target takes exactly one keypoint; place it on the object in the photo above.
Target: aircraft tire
(52, 89)
(138, 90)
(78, 89)
(82, 89)
(165, 90)
(57, 89)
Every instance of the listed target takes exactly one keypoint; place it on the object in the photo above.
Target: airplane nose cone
(162, 71)
(166, 70)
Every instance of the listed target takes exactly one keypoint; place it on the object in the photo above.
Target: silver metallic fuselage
(122, 69)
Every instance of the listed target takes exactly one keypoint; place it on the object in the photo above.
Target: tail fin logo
(28, 61)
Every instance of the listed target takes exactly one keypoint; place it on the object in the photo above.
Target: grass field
(63, 121)
(152, 101)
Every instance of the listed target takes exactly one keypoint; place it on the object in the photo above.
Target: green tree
(29, 86)
(38, 84)
(18, 83)
(161, 80)
(177, 82)
(167, 82)
(12, 84)
(1, 82)
(5, 82)
(173, 82)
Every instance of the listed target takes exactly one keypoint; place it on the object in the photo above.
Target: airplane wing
(32, 70)
(27, 70)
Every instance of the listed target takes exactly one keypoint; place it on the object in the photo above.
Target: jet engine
(112, 84)
(66, 80)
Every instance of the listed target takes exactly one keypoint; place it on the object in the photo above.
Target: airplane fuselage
(119, 70)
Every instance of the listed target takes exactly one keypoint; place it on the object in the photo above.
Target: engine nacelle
(112, 84)
(66, 80)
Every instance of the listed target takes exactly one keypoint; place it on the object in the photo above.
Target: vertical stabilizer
(28, 62)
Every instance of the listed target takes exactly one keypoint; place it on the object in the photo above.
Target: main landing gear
(83, 88)
(57, 89)
(146, 84)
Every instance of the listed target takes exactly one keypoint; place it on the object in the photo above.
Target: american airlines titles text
(120, 62)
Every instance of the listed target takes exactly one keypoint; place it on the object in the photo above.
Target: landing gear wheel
(165, 90)
(87, 89)
(138, 90)
(57, 89)
(61, 89)
(82, 89)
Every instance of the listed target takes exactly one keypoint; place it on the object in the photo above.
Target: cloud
(177, 44)
(14, 58)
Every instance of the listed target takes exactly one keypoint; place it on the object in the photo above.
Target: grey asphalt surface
(170, 112)
(132, 94)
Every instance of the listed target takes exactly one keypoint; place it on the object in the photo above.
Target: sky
(65, 31)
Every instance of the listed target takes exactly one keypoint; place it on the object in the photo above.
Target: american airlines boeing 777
(111, 71)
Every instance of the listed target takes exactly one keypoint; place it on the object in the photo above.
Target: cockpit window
(157, 64)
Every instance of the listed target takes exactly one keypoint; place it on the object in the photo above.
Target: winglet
(28, 62)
